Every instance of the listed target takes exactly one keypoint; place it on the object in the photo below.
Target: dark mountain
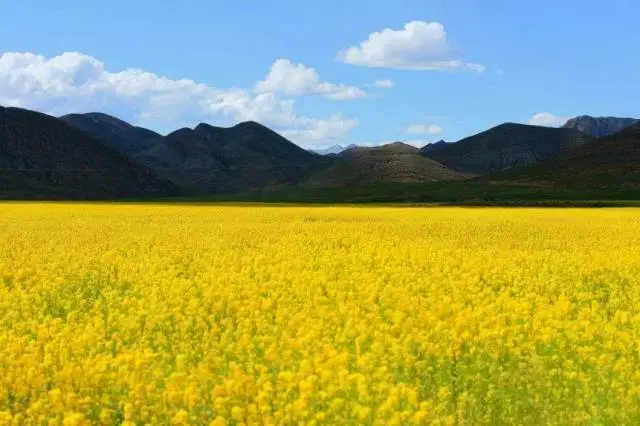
(207, 159)
(258, 157)
(433, 147)
(613, 160)
(396, 162)
(505, 146)
(113, 132)
(191, 161)
(599, 126)
(247, 156)
(42, 157)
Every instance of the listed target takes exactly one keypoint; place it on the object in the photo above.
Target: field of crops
(178, 314)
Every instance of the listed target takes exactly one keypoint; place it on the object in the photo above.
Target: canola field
(243, 315)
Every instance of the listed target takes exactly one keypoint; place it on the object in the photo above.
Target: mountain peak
(114, 132)
(333, 150)
(400, 147)
(183, 131)
(97, 117)
(207, 127)
(249, 125)
(599, 126)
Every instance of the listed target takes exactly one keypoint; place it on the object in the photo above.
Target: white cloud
(547, 119)
(75, 82)
(422, 129)
(383, 84)
(419, 46)
(297, 79)
(322, 133)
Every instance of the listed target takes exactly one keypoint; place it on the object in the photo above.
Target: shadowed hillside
(208, 159)
(610, 161)
(506, 146)
(42, 156)
(113, 132)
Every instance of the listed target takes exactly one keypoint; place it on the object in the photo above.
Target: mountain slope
(258, 157)
(395, 162)
(613, 160)
(433, 147)
(191, 161)
(113, 132)
(209, 159)
(505, 146)
(42, 156)
(206, 159)
(599, 126)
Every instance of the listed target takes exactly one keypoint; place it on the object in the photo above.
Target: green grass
(475, 192)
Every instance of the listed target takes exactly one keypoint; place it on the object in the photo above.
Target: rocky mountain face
(599, 126)
(396, 162)
(506, 146)
(42, 156)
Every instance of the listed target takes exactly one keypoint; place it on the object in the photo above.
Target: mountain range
(95, 155)
(207, 159)
(334, 149)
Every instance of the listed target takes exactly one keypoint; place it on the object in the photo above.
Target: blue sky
(454, 67)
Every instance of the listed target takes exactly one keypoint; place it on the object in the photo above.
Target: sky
(324, 72)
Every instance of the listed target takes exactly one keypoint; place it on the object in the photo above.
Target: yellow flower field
(229, 315)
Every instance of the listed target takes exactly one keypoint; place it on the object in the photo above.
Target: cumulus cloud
(418, 46)
(423, 129)
(323, 132)
(298, 79)
(75, 82)
(383, 84)
(547, 119)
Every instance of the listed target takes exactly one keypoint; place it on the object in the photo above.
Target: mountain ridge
(506, 145)
(209, 159)
(599, 126)
(43, 156)
(333, 150)
(610, 160)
